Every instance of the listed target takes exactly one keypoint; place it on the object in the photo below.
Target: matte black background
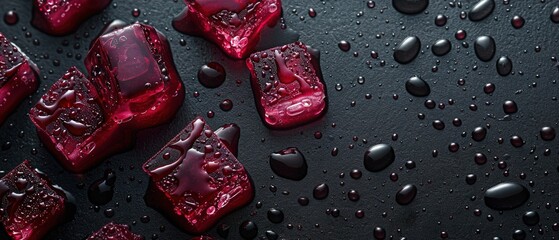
(444, 201)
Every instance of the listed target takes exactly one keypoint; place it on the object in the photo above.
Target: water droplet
(504, 66)
(504, 196)
(355, 174)
(407, 50)
(516, 141)
(438, 124)
(441, 47)
(489, 88)
(406, 194)
(248, 229)
(481, 10)
(410, 6)
(353, 195)
(226, 105)
(479, 134)
(275, 215)
(485, 48)
(378, 157)
(531, 218)
(312, 12)
(510, 107)
(460, 35)
(101, 191)
(11, 17)
(417, 87)
(321, 191)
(135, 12)
(517, 22)
(289, 163)
(547, 133)
(371, 4)
(471, 179)
(440, 20)
(555, 15)
(379, 233)
(211, 75)
(344, 45)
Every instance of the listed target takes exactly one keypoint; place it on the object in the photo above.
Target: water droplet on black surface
(481, 10)
(289, 163)
(479, 134)
(226, 105)
(379, 233)
(406, 194)
(321, 191)
(407, 50)
(555, 15)
(471, 179)
(353, 195)
(344, 45)
(275, 215)
(211, 75)
(510, 107)
(271, 235)
(440, 20)
(417, 87)
(547, 133)
(441, 47)
(438, 124)
(410, 6)
(519, 234)
(516, 141)
(505, 196)
(378, 157)
(11, 17)
(531, 218)
(248, 230)
(489, 88)
(485, 48)
(504, 66)
(101, 191)
(517, 22)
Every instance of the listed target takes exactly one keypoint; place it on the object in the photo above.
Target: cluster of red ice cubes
(132, 84)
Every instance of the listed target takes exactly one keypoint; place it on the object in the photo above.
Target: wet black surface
(373, 109)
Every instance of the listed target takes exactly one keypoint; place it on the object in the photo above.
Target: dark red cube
(234, 25)
(62, 17)
(195, 180)
(287, 85)
(30, 206)
(113, 231)
(18, 77)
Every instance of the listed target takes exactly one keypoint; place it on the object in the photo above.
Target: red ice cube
(30, 206)
(113, 231)
(234, 25)
(287, 85)
(62, 17)
(133, 85)
(195, 179)
(18, 77)
(133, 70)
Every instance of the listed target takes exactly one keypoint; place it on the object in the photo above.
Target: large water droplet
(481, 10)
(417, 87)
(504, 66)
(484, 47)
(410, 6)
(289, 163)
(504, 196)
(479, 134)
(378, 157)
(441, 47)
(547, 133)
(275, 215)
(248, 230)
(555, 15)
(406, 194)
(321, 191)
(531, 218)
(407, 50)
(211, 75)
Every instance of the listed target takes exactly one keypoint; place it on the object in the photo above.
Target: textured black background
(444, 200)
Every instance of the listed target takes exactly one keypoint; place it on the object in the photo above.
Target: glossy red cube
(287, 85)
(73, 125)
(133, 70)
(113, 231)
(18, 77)
(30, 206)
(195, 179)
(62, 17)
(234, 25)
(133, 85)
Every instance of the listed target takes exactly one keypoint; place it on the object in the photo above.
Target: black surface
(444, 201)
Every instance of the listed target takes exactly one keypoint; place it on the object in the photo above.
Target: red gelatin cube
(18, 77)
(30, 206)
(287, 85)
(133, 70)
(195, 179)
(234, 25)
(72, 124)
(113, 231)
(62, 17)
